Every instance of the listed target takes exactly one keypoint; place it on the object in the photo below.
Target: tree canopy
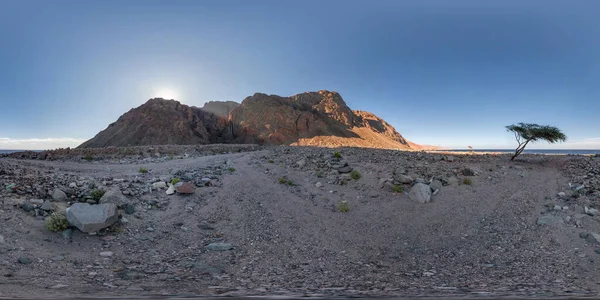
(527, 132)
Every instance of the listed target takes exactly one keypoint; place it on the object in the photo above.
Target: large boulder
(115, 196)
(91, 218)
(420, 192)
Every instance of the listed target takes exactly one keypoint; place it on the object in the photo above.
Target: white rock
(319, 184)
(420, 192)
(159, 185)
(171, 190)
(106, 254)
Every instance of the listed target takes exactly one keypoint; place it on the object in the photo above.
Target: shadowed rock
(91, 218)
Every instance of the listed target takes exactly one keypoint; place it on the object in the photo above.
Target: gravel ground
(508, 233)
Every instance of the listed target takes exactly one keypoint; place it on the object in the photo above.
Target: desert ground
(295, 221)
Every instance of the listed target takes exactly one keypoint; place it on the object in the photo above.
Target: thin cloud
(38, 143)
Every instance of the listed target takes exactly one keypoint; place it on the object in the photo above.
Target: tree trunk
(519, 150)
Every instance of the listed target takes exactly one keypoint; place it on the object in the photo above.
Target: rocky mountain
(309, 119)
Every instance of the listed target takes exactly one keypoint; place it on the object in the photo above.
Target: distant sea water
(534, 151)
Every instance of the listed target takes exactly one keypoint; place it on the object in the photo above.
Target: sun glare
(166, 94)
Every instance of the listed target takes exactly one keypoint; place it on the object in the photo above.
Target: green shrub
(97, 194)
(175, 180)
(467, 181)
(231, 169)
(271, 161)
(337, 154)
(143, 170)
(343, 206)
(89, 157)
(286, 181)
(355, 174)
(398, 188)
(320, 174)
(57, 222)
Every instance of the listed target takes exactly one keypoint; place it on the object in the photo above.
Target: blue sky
(447, 73)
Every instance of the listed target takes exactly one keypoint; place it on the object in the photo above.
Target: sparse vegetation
(526, 132)
(467, 181)
(271, 161)
(355, 174)
(89, 157)
(286, 181)
(97, 194)
(143, 170)
(398, 188)
(175, 180)
(231, 169)
(343, 206)
(320, 174)
(57, 222)
(337, 154)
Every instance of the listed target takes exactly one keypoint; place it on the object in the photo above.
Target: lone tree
(525, 133)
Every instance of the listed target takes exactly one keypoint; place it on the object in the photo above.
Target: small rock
(205, 269)
(58, 286)
(319, 184)
(219, 246)
(59, 195)
(114, 195)
(405, 179)
(47, 206)
(301, 163)
(186, 188)
(557, 207)
(171, 190)
(468, 172)
(591, 237)
(24, 260)
(591, 211)
(420, 192)
(436, 185)
(562, 195)
(106, 254)
(67, 234)
(27, 207)
(159, 185)
(1, 239)
(450, 158)
(549, 220)
(129, 209)
(345, 169)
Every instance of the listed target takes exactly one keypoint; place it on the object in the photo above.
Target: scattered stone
(129, 209)
(1, 239)
(405, 179)
(205, 269)
(47, 206)
(590, 237)
(59, 207)
(114, 196)
(106, 254)
(591, 211)
(550, 220)
(219, 246)
(58, 286)
(91, 218)
(301, 163)
(562, 195)
(171, 190)
(436, 185)
(27, 207)
(451, 181)
(24, 260)
(186, 188)
(59, 195)
(345, 169)
(468, 172)
(67, 234)
(420, 192)
(319, 184)
(450, 158)
(557, 207)
(159, 185)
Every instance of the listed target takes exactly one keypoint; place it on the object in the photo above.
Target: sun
(166, 93)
